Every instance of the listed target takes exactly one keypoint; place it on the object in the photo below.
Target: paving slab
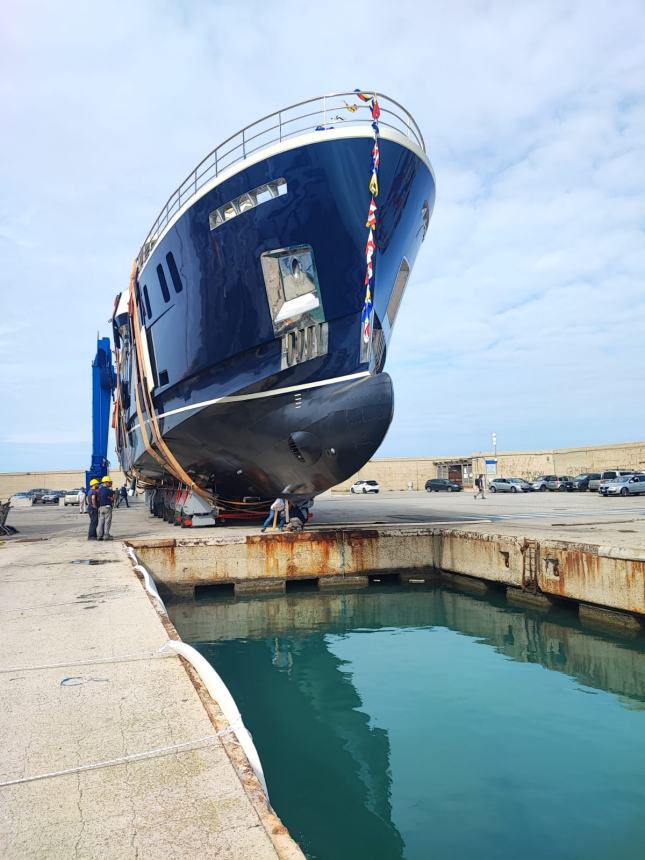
(127, 700)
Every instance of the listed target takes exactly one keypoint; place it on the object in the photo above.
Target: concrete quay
(540, 547)
(111, 748)
(576, 547)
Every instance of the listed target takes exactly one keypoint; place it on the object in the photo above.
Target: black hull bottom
(295, 444)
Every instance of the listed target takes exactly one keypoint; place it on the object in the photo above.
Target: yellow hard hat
(93, 482)
(106, 480)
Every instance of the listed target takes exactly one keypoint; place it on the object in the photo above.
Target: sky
(525, 311)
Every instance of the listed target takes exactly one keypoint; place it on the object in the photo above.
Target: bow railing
(318, 114)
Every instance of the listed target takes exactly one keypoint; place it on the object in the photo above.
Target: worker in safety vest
(93, 508)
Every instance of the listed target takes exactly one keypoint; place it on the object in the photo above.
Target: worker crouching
(106, 505)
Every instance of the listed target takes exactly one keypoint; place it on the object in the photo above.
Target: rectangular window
(259, 195)
(397, 292)
(174, 273)
(147, 301)
(163, 284)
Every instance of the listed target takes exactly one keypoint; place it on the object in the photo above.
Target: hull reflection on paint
(249, 293)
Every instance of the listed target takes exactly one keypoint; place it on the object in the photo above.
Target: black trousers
(94, 521)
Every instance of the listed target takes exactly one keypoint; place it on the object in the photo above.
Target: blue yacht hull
(251, 306)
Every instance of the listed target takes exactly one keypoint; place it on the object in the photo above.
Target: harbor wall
(396, 473)
(533, 570)
(19, 482)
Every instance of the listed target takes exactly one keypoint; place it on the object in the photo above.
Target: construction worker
(105, 504)
(93, 508)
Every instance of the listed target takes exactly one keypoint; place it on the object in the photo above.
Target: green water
(397, 723)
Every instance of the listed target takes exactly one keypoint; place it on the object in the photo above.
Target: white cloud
(529, 286)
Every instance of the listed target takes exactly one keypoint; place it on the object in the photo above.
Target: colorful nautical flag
(351, 108)
(371, 215)
(370, 247)
(366, 318)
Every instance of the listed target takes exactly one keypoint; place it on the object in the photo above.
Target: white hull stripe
(237, 398)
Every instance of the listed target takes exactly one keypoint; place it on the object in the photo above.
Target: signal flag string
(370, 247)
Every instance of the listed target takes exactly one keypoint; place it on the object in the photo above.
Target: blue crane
(103, 384)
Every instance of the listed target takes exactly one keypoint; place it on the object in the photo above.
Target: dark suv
(38, 493)
(438, 485)
(581, 482)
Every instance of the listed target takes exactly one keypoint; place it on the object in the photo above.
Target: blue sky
(525, 311)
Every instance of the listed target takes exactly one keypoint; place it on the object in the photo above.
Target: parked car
(610, 475)
(582, 482)
(594, 482)
(625, 485)
(509, 485)
(51, 497)
(38, 493)
(439, 485)
(566, 483)
(72, 497)
(17, 496)
(541, 483)
(365, 487)
(559, 482)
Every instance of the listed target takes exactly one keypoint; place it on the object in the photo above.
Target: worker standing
(93, 508)
(82, 501)
(105, 504)
(122, 496)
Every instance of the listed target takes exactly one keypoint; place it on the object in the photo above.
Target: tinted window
(147, 301)
(397, 292)
(162, 283)
(174, 273)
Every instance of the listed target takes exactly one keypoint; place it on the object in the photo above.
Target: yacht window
(174, 273)
(162, 283)
(146, 299)
(249, 200)
(397, 292)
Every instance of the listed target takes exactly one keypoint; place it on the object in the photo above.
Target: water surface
(394, 723)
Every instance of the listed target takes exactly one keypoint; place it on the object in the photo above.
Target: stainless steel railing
(319, 113)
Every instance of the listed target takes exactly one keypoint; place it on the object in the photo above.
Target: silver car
(612, 475)
(541, 483)
(625, 485)
(509, 485)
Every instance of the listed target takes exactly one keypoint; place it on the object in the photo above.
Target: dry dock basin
(607, 584)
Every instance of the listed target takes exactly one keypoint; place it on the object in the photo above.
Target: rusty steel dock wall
(602, 576)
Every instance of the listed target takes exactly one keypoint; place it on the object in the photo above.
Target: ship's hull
(258, 404)
(283, 445)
